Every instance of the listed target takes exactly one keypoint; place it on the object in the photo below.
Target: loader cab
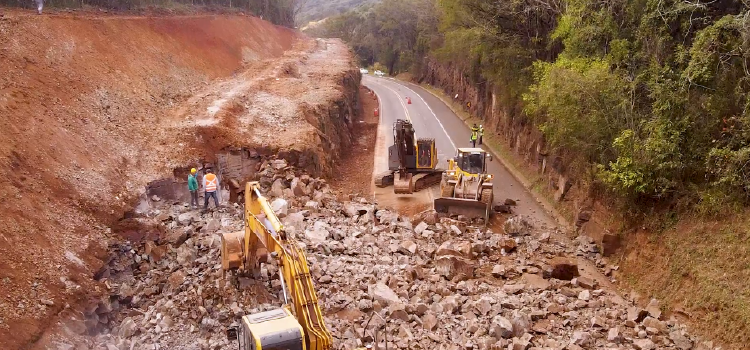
(269, 330)
(472, 160)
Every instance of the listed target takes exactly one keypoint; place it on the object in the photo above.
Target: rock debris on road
(439, 282)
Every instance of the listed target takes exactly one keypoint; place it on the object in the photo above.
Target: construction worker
(193, 188)
(210, 185)
(474, 135)
(481, 133)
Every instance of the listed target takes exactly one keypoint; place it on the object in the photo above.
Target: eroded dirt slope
(95, 108)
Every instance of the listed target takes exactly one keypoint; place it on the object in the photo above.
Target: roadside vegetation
(648, 98)
(645, 100)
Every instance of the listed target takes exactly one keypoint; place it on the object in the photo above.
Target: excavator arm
(265, 234)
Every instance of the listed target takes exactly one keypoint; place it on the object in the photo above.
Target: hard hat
(192, 171)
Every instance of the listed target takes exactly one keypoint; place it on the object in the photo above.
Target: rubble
(478, 291)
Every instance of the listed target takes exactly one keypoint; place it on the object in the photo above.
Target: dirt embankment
(95, 108)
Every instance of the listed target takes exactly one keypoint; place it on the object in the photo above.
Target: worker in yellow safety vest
(481, 133)
(210, 185)
(474, 135)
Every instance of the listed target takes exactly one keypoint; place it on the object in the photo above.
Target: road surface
(432, 118)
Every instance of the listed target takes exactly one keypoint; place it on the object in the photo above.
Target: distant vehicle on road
(379, 73)
(363, 71)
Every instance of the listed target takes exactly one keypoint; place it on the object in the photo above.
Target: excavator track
(384, 179)
(425, 180)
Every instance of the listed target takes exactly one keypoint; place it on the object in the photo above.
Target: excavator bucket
(458, 206)
(403, 184)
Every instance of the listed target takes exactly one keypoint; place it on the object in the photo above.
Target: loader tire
(486, 196)
(447, 191)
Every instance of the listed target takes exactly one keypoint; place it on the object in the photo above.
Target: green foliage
(396, 33)
(580, 106)
(649, 97)
(314, 10)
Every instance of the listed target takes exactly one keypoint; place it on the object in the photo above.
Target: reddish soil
(82, 100)
(353, 176)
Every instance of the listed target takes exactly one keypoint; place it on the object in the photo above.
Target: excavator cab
(276, 329)
(466, 187)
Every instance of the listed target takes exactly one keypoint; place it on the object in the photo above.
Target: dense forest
(315, 10)
(282, 12)
(645, 98)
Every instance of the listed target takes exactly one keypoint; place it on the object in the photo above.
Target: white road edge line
(431, 111)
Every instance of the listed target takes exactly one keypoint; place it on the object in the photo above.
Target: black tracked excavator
(411, 162)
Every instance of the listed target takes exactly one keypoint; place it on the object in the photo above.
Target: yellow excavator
(298, 324)
(466, 187)
(411, 161)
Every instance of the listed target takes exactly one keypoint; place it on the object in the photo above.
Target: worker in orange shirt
(211, 186)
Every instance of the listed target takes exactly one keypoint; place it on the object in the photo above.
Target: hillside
(95, 108)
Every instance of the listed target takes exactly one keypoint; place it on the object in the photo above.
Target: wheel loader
(466, 187)
(298, 324)
(411, 162)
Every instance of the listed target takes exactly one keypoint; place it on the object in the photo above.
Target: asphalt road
(432, 118)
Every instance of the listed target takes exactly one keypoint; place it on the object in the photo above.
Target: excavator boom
(244, 251)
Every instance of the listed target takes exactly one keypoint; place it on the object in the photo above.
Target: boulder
(614, 336)
(155, 252)
(581, 338)
(680, 340)
(498, 271)
(644, 344)
(562, 268)
(586, 282)
(517, 226)
(185, 219)
(383, 294)
(508, 244)
(352, 209)
(298, 187)
(319, 234)
(429, 321)
(178, 236)
(521, 323)
(397, 311)
(653, 309)
(452, 266)
(407, 247)
(636, 314)
(280, 206)
(501, 328)
(277, 189)
(128, 328)
(420, 228)
(461, 248)
(430, 217)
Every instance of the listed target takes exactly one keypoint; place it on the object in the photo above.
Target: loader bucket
(458, 206)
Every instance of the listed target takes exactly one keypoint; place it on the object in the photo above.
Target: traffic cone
(376, 112)
(408, 100)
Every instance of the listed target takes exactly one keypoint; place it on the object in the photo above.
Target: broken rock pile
(420, 283)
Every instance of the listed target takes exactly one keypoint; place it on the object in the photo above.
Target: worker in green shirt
(193, 187)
